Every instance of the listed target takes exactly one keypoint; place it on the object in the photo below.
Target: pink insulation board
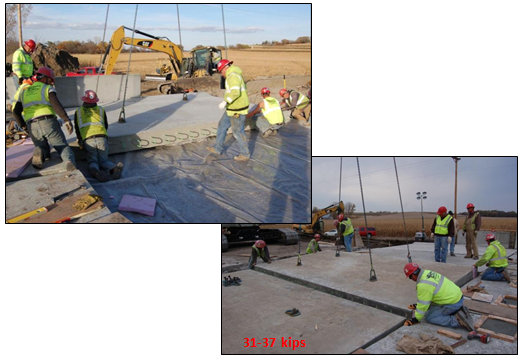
(18, 157)
(138, 204)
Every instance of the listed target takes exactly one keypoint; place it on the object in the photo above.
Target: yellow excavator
(317, 225)
(201, 63)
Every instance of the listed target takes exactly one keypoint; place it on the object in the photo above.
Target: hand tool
(485, 338)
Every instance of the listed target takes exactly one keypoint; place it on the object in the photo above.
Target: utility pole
(20, 24)
(456, 159)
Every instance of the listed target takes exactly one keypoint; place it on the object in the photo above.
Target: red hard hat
(410, 268)
(340, 217)
(317, 237)
(31, 44)
(335, 223)
(265, 90)
(470, 206)
(222, 64)
(490, 236)
(282, 92)
(442, 210)
(90, 97)
(260, 244)
(46, 71)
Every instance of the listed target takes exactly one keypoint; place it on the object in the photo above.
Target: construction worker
(40, 105)
(454, 237)
(259, 249)
(442, 230)
(91, 132)
(25, 83)
(22, 61)
(471, 228)
(236, 103)
(313, 246)
(299, 104)
(346, 231)
(439, 300)
(272, 119)
(495, 259)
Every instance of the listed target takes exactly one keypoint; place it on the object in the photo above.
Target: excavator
(317, 225)
(202, 62)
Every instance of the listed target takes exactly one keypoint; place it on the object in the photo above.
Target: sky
(201, 24)
(490, 183)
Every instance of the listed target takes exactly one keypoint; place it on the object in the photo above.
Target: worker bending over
(439, 300)
(442, 230)
(272, 118)
(313, 246)
(495, 259)
(298, 104)
(259, 249)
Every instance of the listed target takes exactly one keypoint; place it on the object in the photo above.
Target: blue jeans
(237, 126)
(48, 132)
(444, 315)
(493, 274)
(97, 152)
(347, 241)
(452, 245)
(441, 248)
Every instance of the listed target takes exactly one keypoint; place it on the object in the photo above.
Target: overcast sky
(490, 183)
(201, 24)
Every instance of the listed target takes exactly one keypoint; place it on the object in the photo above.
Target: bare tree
(11, 19)
(349, 208)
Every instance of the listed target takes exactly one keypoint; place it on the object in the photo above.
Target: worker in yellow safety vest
(25, 83)
(346, 231)
(442, 230)
(22, 61)
(496, 260)
(313, 246)
(298, 104)
(272, 118)
(259, 249)
(439, 300)
(91, 132)
(40, 105)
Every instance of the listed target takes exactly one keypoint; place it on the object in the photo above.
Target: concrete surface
(256, 310)
(114, 218)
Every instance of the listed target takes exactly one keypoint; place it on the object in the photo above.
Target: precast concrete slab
(327, 324)
(348, 276)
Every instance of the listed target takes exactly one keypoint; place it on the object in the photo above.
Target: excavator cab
(203, 62)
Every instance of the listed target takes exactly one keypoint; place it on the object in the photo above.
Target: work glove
(81, 145)
(412, 306)
(69, 127)
(411, 322)
(449, 239)
(432, 236)
(222, 105)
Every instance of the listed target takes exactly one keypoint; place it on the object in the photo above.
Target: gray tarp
(273, 187)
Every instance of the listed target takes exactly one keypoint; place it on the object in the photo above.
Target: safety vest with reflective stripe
(312, 247)
(90, 121)
(432, 287)
(236, 93)
(302, 100)
(260, 252)
(272, 111)
(441, 228)
(473, 219)
(348, 227)
(22, 63)
(495, 254)
(35, 100)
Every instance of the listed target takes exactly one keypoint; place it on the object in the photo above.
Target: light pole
(456, 159)
(421, 197)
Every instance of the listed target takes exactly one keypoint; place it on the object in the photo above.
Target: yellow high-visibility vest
(272, 111)
(441, 228)
(90, 121)
(35, 100)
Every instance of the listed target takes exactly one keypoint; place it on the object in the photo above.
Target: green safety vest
(348, 226)
(16, 97)
(312, 247)
(441, 228)
(22, 63)
(495, 254)
(35, 100)
(473, 218)
(90, 121)
(272, 111)
(236, 92)
(432, 287)
(302, 102)
(261, 253)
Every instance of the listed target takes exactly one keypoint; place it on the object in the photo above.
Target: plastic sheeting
(192, 186)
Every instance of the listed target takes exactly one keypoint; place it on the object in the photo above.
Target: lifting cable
(122, 117)
(179, 30)
(103, 40)
(224, 26)
(337, 254)
(402, 208)
(372, 274)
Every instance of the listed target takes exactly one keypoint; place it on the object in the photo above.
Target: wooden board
(482, 297)
(488, 308)
(360, 351)
(459, 343)
(501, 298)
(18, 157)
(63, 209)
(450, 334)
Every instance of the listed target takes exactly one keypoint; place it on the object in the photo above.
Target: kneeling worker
(259, 249)
(495, 259)
(313, 246)
(439, 299)
(272, 119)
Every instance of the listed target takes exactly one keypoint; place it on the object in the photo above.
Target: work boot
(475, 257)
(467, 256)
(506, 276)
(70, 166)
(274, 132)
(38, 158)
(99, 175)
(306, 124)
(267, 133)
(452, 254)
(116, 172)
(464, 320)
(213, 150)
(241, 158)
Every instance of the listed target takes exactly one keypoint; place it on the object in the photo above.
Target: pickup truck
(85, 71)
(363, 232)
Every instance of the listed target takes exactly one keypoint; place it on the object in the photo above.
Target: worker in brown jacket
(471, 227)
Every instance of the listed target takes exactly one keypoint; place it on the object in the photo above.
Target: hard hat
(90, 97)
(340, 217)
(222, 64)
(410, 268)
(317, 237)
(260, 244)
(31, 44)
(470, 206)
(335, 223)
(46, 71)
(282, 92)
(265, 90)
(490, 236)
(442, 210)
